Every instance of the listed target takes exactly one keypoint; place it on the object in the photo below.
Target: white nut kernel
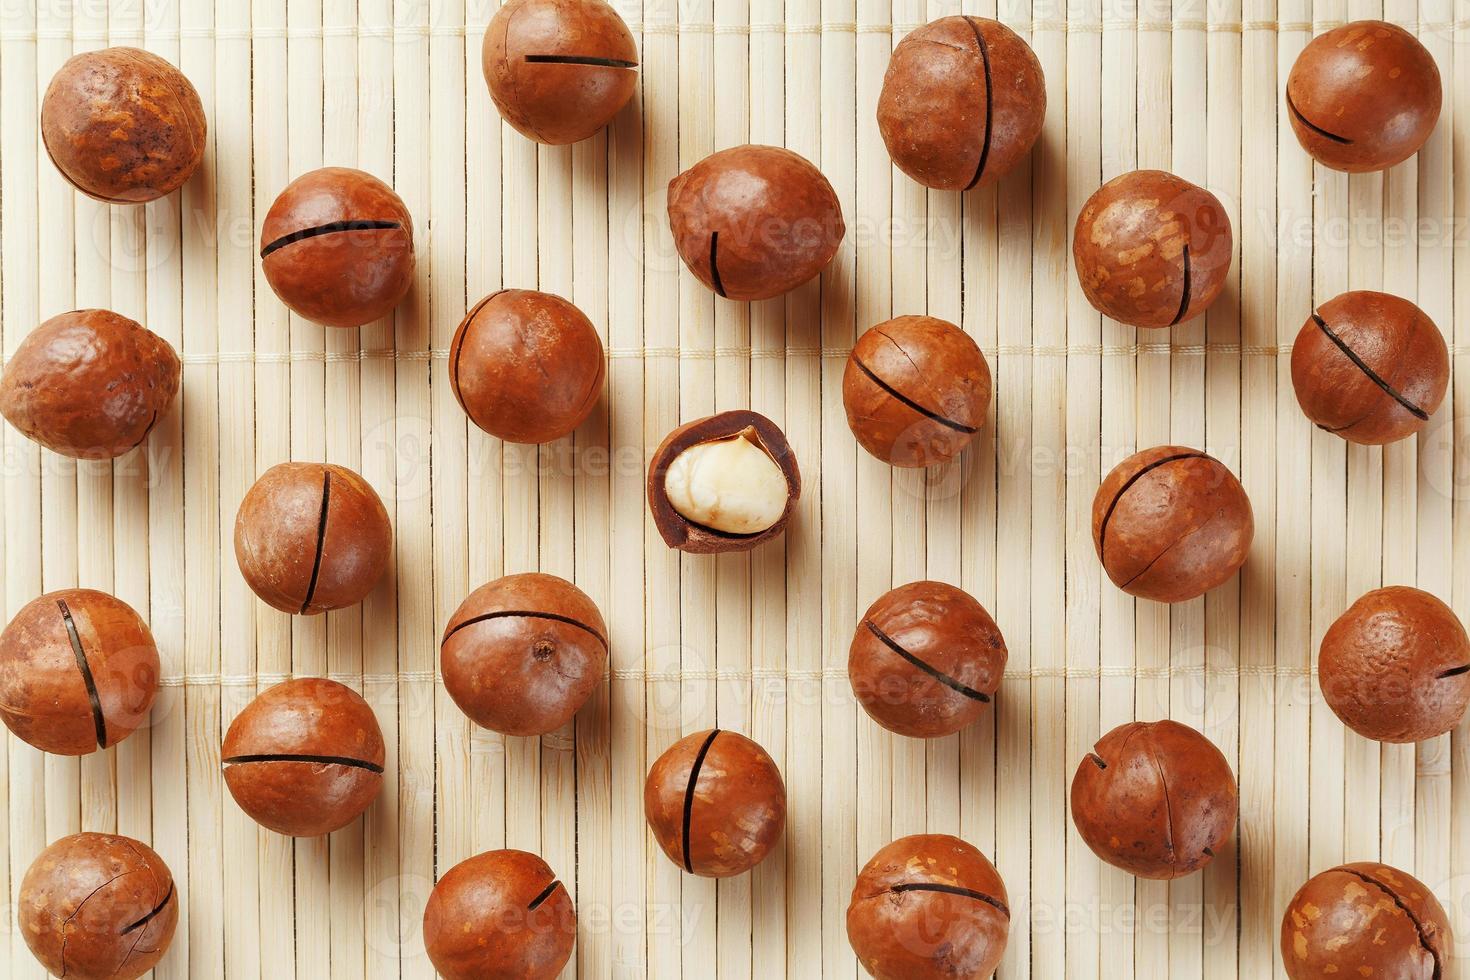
(730, 485)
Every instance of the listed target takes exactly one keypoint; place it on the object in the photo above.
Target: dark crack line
(1168, 807)
(1373, 376)
(1455, 671)
(321, 541)
(331, 228)
(1418, 925)
(98, 721)
(714, 264)
(1102, 531)
(895, 393)
(146, 431)
(924, 886)
(1291, 104)
(325, 760)
(526, 614)
(933, 672)
(689, 795)
(545, 894)
(1184, 298)
(157, 910)
(989, 102)
(577, 59)
(1096, 760)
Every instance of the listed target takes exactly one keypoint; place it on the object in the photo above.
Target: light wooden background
(756, 643)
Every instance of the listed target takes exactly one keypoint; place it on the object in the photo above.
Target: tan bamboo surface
(753, 643)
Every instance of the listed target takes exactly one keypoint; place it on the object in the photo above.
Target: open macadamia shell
(963, 102)
(916, 390)
(559, 70)
(1396, 666)
(304, 758)
(501, 915)
(929, 906)
(1171, 523)
(685, 535)
(1155, 799)
(753, 222)
(89, 384)
(1363, 96)
(1366, 920)
(78, 672)
(1370, 367)
(716, 803)
(123, 125)
(926, 660)
(522, 654)
(1152, 249)
(98, 907)
(337, 247)
(526, 367)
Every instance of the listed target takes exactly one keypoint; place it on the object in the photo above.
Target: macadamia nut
(501, 915)
(730, 485)
(1366, 920)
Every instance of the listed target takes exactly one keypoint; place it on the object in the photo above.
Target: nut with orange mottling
(501, 915)
(1366, 920)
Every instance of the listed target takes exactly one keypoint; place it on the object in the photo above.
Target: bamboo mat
(754, 643)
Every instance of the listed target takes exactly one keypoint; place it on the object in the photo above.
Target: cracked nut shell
(716, 803)
(1155, 799)
(98, 907)
(963, 102)
(89, 384)
(685, 535)
(522, 654)
(1171, 523)
(337, 247)
(1396, 666)
(526, 366)
(926, 660)
(926, 906)
(78, 671)
(1366, 920)
(1152, 249)
(916, 390)
(1370, 367)
(753, 222)
(1364, 96)
(304, 758)
(311, 537)
(123, 125)
(501, 915)
(559, 70)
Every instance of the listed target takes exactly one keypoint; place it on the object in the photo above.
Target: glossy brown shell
(501, 915)
(1366, 920)
(1370, 367)
(526, 366)
(1363, 96)
(337, 247)
(926, 660)
(89, 384)
(916, 390)
(123, 125)
(1396, 666)
(1152, 249)
(559, 70)
(929, 906)
(1155, 799)
(311, 537)
(963, 102)
(753, 222)
(304, 758)
(73, 694)
(728, 817)
(522, 654)
(1171, 523)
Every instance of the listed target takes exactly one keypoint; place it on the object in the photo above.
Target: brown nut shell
(1155, 799)
(501, 915)
(926, 660)
(753, 222)
(78, 671)
(963, 102)
(1370, 367)
(311, 537)
(916, 390)
(123, 125)
(98, 907)
(1152, 249)
(522, 654)
(559, 70)
(89, 384)
(304, 758)
(1366, 920)
(526, 366)
(716, 803)
(337, 247)
(1363, 96)
(1171, 523)
(1396, 666)
(685, 535)
(929, 906)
